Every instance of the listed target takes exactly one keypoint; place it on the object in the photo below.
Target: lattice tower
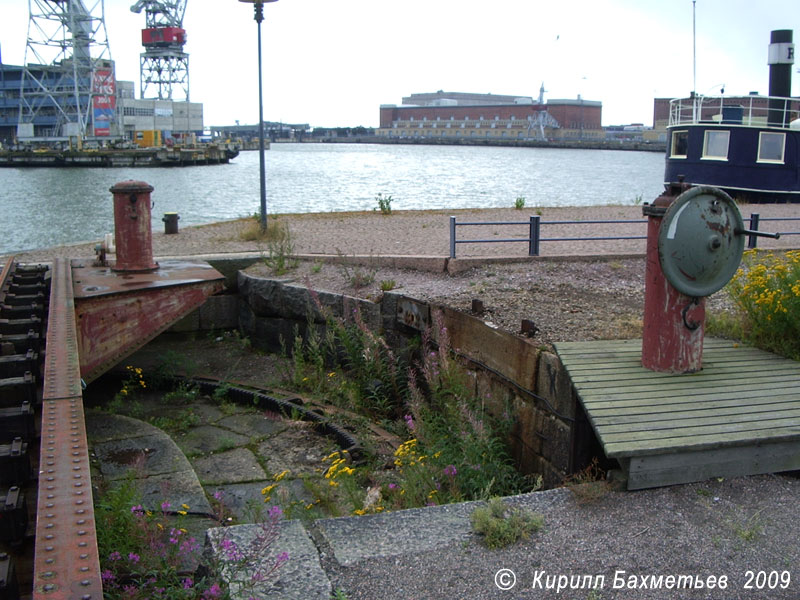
(68, 67)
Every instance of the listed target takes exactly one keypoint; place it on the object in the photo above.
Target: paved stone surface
(209, 438)
(234, 466)
(253, 424)
(716, 528)
(300, 578)
(393, 534)
(162, 472)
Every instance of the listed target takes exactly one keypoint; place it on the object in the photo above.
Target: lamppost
(258, 5)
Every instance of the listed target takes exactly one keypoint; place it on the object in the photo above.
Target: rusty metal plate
(118, 313)
(413, 313)
(91, 282)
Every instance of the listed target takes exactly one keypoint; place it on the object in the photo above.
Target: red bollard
(672, 337)
(133, 230)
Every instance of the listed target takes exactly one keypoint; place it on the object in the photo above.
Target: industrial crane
(164, 66)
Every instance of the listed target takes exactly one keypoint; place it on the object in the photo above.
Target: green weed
(502, 525)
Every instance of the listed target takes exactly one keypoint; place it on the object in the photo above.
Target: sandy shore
(426, 233)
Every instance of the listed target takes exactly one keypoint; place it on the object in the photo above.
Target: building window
(715, 145)
(680, 144)
(771, 147)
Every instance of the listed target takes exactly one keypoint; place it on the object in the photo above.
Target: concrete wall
(508, 370)
(551, 435)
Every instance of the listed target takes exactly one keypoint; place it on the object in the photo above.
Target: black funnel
(781, 59)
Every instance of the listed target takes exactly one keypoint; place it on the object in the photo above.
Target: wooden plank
(634, 366)
(718, 412)
(671, 403)
(624, 377)
(661, 397)
(688, 387)
(688, 443)
(639, 424)
(671, 469)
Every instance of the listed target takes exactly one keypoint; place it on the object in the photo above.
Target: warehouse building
(491, 116)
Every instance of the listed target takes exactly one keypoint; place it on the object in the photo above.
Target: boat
(748, 146)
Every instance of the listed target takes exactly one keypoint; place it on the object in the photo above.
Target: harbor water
(48, 207)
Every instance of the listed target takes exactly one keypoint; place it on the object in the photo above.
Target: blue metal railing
(534, 238)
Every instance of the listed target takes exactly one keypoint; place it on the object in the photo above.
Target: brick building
(491, 116)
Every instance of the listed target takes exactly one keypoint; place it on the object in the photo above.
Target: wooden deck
(740, 415)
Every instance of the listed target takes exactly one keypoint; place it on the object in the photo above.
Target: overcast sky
(334, 62)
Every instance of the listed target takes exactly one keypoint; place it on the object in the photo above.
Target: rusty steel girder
(66, 562)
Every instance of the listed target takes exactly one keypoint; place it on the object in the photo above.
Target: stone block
(219, 312)
(369, 311)
(526, 443)
(554, 385)
(557, 443)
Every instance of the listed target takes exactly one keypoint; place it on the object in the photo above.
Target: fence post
(753, 239)
(452, 237)
(533, 242)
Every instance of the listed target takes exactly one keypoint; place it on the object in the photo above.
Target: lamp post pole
(258, 5)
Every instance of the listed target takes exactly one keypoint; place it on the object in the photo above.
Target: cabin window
(771, 146)
(680, 144)
(715, 145)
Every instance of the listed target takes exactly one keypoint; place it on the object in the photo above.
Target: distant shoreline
(570, 144)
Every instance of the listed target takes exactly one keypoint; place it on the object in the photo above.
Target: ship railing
(754, 110)
(533, 237)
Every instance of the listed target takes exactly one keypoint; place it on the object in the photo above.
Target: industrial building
(67, 89)
(491, 116)
(130, 117)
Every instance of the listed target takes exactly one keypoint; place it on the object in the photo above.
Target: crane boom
(161, 13)
(164, 66)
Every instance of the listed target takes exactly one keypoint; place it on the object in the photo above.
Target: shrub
(766, 289)
(519, 203)
(384, 204)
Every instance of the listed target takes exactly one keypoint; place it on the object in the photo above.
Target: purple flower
(213, 592)
(133, 557)
(409, 422)
(114, 556)
(137, 510)
(392, 486)
(107, 576)
(450, 470)
(188, 583)
(275, 512)
(165, 506)
(281, 558)
(218, 495)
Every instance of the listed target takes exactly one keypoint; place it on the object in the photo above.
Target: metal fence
(535, 224)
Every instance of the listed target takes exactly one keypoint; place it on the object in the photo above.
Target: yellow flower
(332, 374)
(185, 506)
(359, 511)
(182, 512)
(281, 475)
(333, 483)
(268, 489)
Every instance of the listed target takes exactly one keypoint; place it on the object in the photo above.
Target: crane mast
(164, 66)
(68, 79)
